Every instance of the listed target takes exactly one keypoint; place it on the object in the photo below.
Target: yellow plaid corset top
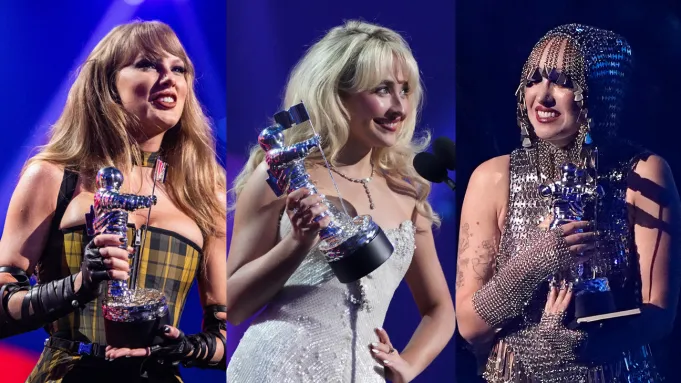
(167, 261)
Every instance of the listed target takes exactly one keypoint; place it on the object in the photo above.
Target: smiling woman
(609, 232)
(132, 104)
(362, 88)
(154, 101)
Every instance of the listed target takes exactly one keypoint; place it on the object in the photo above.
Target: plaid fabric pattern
(55, 364)
(168, 262)
(52, 366)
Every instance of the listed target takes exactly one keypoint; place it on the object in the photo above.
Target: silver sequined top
(317, 329)
(513, 357)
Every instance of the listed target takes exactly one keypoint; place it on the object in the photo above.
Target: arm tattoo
(462, 262)
(465, 238)
(484, 260)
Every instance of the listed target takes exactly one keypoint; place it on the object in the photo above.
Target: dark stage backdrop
(265, 38)
(41, 45)
(493, 41)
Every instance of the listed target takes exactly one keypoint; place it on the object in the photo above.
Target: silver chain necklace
(363, 181)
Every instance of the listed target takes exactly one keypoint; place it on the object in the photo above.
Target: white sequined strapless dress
(317, 329)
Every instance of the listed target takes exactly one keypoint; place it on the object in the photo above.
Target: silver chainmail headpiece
(596, 64)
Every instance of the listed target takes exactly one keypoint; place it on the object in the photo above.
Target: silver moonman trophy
(132, 318)
(574, 198)
(353, 247)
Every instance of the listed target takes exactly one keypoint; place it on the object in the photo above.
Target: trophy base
(138, 334)
(593, 297)
(608, 316)
(364, 260)
(136, 319)
(594, 303)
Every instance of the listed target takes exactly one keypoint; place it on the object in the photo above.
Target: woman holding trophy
(350, 149)
(132, 108)
(598, 214)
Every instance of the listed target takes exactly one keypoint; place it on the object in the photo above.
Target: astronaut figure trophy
(574, 198)
(132, 317)
(353, 247)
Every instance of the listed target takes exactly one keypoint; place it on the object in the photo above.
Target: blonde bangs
(377, 60)
(351, 58)
(153, 40)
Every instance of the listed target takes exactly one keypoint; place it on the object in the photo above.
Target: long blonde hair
(349, 59)
(94, 130)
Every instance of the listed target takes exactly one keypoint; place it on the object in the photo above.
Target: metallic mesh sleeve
(547, 353)
(505, 295)
(564, 342)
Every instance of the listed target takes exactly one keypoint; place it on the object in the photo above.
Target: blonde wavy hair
(353, 58)
(95, 131)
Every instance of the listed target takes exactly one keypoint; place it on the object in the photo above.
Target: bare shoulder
(43, 178)
(491, 173)
(256, 204)
(43, 173)
(652, 179)
(256, 191)
(653, 167)
(488, 192)
(29, 214)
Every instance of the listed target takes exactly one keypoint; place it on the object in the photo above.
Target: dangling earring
(588, 141)
(588, 150)
(521, 116)
(527, 143)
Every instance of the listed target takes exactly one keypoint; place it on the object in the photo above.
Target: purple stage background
(41, 46)
(265, 38)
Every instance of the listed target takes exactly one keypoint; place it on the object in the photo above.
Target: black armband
(48, 302)
(197, 350)
(205, 343)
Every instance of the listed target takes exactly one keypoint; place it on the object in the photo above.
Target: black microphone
(445, 149)
(432, 168)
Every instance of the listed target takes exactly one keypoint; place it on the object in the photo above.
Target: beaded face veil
(595, 64)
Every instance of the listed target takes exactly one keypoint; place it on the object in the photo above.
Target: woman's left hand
(564, 342)
(397, 369)
(170, 332)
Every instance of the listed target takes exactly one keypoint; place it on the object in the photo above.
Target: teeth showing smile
(544, 114)
(391, 126)
(164, 101)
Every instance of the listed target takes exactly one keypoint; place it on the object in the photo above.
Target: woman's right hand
(105, 260)
(307, 214)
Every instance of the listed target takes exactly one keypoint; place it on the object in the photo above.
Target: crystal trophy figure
(574, 198)
(353, 246)
(132, 317)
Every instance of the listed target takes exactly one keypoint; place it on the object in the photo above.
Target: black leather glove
(196, 350)
(93, 271)
(47, 302)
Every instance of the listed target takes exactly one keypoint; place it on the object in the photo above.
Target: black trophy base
(364, 260)
(590, 304)
(597, 308)
(135, 334)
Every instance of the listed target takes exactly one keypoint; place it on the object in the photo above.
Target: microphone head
(430, 167)
(445, 150)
